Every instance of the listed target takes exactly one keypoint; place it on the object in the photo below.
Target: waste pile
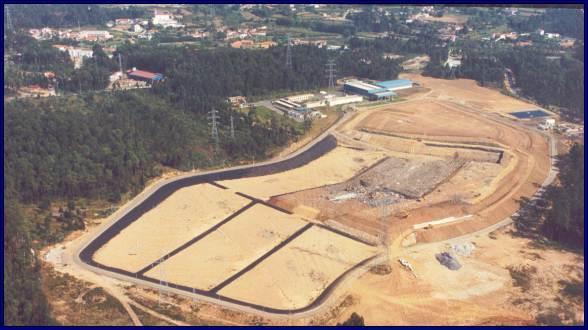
(448, 260)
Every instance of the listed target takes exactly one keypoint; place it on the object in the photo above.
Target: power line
(288, 53)
(9, 25)
(213, 118)
(120, 65)
(331, 73)
(232, 129)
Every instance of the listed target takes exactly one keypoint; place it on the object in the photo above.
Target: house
(567, 43)
(524, 43)
(238, 101)
(242, 44)
(94, 35)
(552, 35)
(137, 28)
(165, 19)
(266, 44)
(124, 21)
(252, 44)
(49, 74)
(77, 54)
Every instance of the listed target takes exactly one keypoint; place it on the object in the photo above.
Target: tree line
(69, 15)
(564, 221)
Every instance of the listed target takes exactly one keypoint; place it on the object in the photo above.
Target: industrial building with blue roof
(370, 91)
(393, 85)
(376, 91)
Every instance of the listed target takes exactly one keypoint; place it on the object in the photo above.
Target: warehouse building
(394, 85)
(300, 97)
(344, 100)
(371, 92)
(144, 75)
(285, 105)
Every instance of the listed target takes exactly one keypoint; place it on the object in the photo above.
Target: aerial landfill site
(372, 216)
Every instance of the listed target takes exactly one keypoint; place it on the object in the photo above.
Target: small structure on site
(448, 260)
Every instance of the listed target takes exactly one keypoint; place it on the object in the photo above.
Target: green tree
(355, 320)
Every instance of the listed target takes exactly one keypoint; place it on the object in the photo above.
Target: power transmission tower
(9, 26)
(213, 117)
(120, 65)
(232, 129)
(289, 53)
(331, 73)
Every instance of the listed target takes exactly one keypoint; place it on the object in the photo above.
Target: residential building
(94, 35)
(165, 19)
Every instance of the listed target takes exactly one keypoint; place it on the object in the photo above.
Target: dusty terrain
(484, 164)
(468, 92)
(338, 165)
(294, 276)
(224, 252)
(183, 215)
(482, 292)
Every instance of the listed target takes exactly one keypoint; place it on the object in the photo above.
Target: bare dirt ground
(468, 92)
(482, 292)
(231, 248)
(338, 165)
(294, 276)
(416, 63)
(180, 217)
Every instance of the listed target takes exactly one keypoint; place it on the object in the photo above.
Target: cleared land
(229, 249)
(482, 292)
(336, 166)
(412, 178)
(489, 187)
(182, 216)
(448, 152)
(295, 276)
(468, 92)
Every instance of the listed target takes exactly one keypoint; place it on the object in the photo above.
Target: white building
(137, 28)
(76, 54)
(165, 19)
(552, 35)
(344, 100)
(315, 104)
(94, 35)
(300, 97)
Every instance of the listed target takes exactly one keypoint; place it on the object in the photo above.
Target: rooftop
(394, 83)
(145, 74)
(362, 85)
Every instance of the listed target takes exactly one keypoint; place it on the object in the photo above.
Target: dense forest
(565, 220)
(70, 15)
(24, 301)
